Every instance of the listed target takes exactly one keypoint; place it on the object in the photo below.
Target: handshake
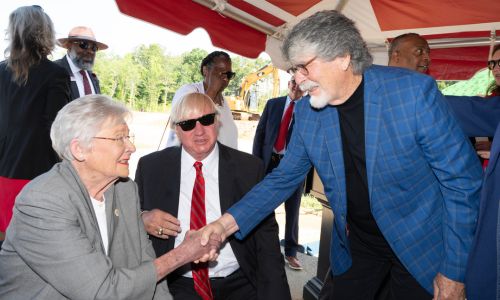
(198, 245)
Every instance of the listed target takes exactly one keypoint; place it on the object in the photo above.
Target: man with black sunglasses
(79, 61)
(217, 72)
(183, 188)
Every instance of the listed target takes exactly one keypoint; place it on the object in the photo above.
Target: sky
(120, 32)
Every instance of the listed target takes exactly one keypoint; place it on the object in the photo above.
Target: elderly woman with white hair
(76, 230)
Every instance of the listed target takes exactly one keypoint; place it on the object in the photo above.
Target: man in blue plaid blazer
(401, 178)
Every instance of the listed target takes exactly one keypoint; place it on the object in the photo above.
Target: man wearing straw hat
(79, 60)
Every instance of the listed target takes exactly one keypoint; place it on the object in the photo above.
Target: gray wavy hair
(82, 119)
(31, 38)
(328, 34)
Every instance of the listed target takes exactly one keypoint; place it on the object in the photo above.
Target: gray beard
(78, 61)
(317, 102)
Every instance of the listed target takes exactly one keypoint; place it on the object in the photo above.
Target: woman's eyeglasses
(190, 124)
(121, 140)
(493, 63)
(87, 45)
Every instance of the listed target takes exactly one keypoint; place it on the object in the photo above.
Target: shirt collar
(288, 100)
(72, 66)
(187, 161)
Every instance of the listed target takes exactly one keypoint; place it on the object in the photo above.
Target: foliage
(443, 84)
(310, 202)
(477, 85)
(147, 78)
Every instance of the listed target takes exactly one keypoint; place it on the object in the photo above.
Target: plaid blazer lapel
(373, 109)
(331, 132)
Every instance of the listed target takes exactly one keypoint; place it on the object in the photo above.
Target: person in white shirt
(169, 188)
(217, 71)
(82, 47)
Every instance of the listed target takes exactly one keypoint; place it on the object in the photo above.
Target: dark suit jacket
(63, 62)
(26, 114)
(479, 117)
(259, 256)
(267, 129)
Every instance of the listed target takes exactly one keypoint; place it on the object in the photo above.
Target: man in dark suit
(269, 144)
(481, 117)
(79, 61)
(245, 269)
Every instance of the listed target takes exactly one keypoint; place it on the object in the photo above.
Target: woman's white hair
(82, 119)
(192, 103)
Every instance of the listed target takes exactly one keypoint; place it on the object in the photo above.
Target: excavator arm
(240, 105)
(252, 78)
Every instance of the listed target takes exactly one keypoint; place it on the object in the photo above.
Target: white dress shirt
(226, 263)
(100, 214)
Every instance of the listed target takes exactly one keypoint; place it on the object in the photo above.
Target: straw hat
(81, 33)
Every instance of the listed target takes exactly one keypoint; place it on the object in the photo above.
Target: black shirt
(352, 127)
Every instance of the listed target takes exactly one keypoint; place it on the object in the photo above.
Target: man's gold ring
(160, 231)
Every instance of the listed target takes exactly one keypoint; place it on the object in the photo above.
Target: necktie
(86, 84)
(285, 123)
(198, 220)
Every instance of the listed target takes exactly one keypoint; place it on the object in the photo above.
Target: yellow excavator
(241, 105)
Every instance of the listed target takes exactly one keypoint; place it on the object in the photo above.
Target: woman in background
(494, 66)
(483, 146)
(32, 90)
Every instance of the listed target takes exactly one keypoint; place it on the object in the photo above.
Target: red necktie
(86, 84)
(198, 220)
(285, 123)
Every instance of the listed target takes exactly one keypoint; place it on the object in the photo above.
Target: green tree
(152, 68)
(189, 68)
(147, 78)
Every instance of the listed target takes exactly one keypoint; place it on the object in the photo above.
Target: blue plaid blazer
(423, 175)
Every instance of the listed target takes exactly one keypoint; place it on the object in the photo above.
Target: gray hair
(328, 34)
(82, 119)
(31, 38)
(190, 104)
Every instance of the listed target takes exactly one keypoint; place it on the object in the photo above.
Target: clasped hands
(201, 246)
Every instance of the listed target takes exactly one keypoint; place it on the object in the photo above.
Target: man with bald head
(410, 51)
(82, 47)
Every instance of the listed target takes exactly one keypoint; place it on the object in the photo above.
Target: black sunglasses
(190, 124)
(87, 45)
(230, 75)
(493, 63)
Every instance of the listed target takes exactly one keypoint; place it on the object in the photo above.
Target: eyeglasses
(190, 124)
(87, 45)
(230, 75)
(120, 140)
(302, 68)
(493, 63)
